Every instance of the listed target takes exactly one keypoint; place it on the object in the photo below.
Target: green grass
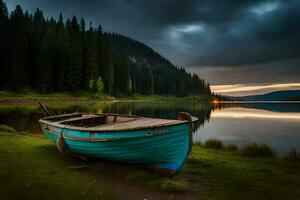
(103, 97)
(56, 95)
(32, 168)
(218, 174)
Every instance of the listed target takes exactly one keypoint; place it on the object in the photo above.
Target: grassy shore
(32, 168)
(7, 96)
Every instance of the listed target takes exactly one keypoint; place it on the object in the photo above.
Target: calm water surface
(275, 124)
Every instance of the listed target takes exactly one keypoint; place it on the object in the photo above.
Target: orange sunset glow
(244, 89)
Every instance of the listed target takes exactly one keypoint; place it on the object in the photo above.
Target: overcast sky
(226, 42)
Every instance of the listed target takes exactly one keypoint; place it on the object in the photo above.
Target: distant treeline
(49, 55)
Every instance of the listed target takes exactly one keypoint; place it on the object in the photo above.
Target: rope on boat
(60, 142)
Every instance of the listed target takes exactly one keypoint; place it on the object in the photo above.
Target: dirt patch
(131, 182)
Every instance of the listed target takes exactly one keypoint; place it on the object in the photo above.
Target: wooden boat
(159, 144)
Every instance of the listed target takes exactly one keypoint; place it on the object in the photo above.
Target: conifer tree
(82, 25)
(3, 44)
(49, 55)
(74, 72)
(75, 61)
(44, 68)
(18, 51)
(148, 83)
(122, 77)
(59, 55)
(107, 69)
(91, 58)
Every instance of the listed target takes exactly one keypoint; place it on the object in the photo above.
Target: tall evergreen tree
(107, 69)
(48, 55)
(122, 78)
(37, 33)
(59, 55)
(75, 61)
(74, 72)
(3, 44)
(18, 51)
(3, 8)
(142, 79)
(100, 51)
(91, 58)
(44, 68)
(82, 25)
(60, 23)
(148, 81)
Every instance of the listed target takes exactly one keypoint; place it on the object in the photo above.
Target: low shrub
(198, 143)
(213, 144)
(257, 150)
(293, 155)
(232, 147)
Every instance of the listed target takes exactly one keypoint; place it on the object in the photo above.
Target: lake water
(276, 124)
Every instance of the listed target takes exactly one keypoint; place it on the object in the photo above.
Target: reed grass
(293, 155)
(232, 147)
(198, 143)
(213, 144)
(257, 150)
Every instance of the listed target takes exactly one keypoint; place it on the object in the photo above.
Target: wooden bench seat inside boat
(138, 123)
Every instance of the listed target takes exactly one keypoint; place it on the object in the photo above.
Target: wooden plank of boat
(125, 138)
(129, 124)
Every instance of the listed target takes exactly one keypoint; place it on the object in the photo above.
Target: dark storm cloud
(283, 71)
(197, 33)
(255, 33)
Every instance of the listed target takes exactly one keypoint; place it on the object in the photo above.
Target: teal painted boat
(159, 144)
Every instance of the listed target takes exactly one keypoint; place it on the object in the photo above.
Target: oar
(44, 108)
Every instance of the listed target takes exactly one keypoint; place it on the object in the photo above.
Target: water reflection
(255, 113)
(25, 117)
(275, 124)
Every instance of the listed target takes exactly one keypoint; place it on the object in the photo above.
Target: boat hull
(164, 149)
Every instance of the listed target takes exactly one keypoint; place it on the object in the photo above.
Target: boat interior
(90, 120)
(105, 121)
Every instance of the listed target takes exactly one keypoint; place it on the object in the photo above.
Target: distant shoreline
(134, 99)
(244, 102)
(31, 97)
